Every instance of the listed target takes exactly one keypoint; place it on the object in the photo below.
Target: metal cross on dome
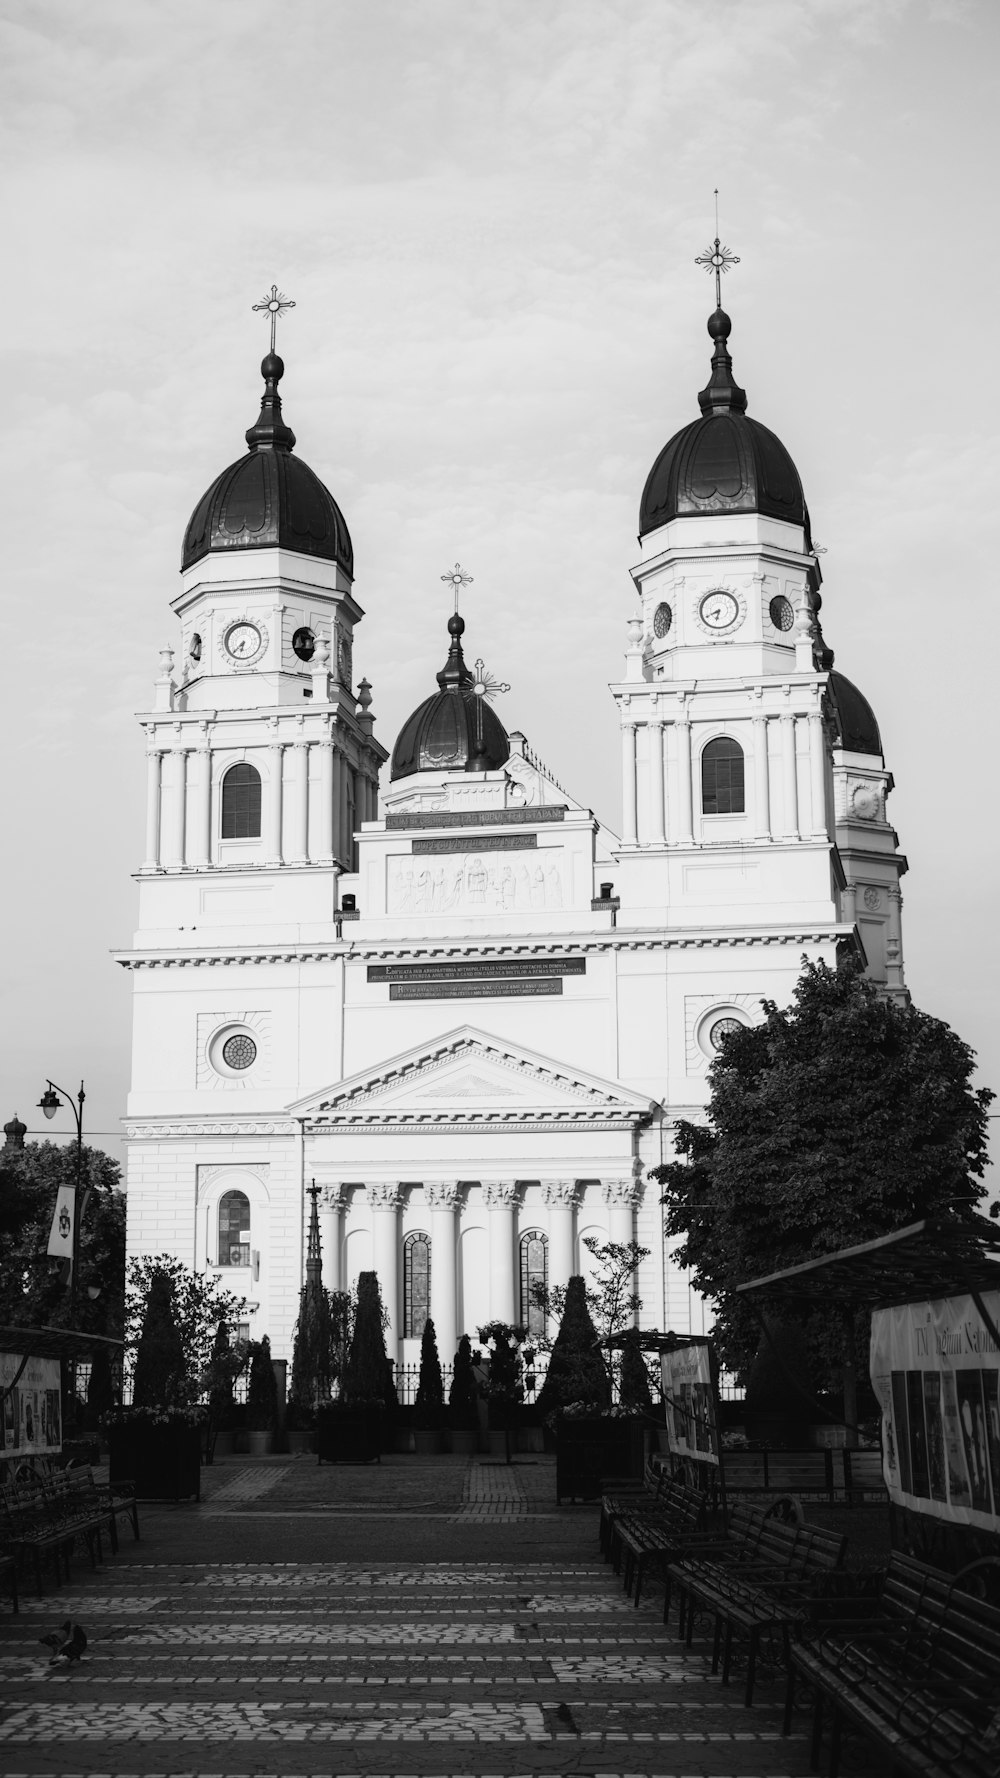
(273, 305)
(485, 687)
(717, 258)
(457, 578)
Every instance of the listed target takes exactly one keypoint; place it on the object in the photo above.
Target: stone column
(789, 777)
(683, 726)
(629, 833)
(500, 1196)
(384, 1199)
(323, 835)
(200, 837)
(275, 754)
(154, 759)
(443, 1199)
(657, 824)
(762, 778)
(849, 903)
(338, 797)
(621, 1197)
(817, 775)
(298, 800)
(331, 1235)
(560, 1196)
(894, 939)
(174, 785)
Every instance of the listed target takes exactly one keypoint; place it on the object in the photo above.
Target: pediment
(469, 1075)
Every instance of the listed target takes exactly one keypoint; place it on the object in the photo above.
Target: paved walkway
(428, 1617)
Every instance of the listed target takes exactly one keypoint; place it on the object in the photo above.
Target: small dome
(454, 730)
(269, 498)
(857, 730)
(723, 462)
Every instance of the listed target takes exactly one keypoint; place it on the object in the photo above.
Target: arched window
(241, 803)
(534, 1270)
(234, 1229)
(416, 1285)
(722, 778)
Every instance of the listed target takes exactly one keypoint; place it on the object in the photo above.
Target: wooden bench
(45, 1514)
(918, 1677)
(658, 1492)
(650, 1539)
(773, 1584)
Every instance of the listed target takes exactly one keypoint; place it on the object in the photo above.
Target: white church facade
(435, 984)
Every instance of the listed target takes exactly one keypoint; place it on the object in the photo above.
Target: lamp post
(50, 1102)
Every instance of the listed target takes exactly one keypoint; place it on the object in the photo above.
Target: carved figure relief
(476, 884)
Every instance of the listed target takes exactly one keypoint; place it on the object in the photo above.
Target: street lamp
(51, 1102)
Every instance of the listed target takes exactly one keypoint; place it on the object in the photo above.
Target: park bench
(774, 1584)
(46, 1512)
(8, 1572)
(918, 1676)
(656, 1493)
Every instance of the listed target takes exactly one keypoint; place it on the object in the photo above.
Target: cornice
(159, 1129)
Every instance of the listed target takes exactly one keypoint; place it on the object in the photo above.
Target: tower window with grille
(241, 803)
(416, 1285)
(534, 1270)
(722, 791)
(234, 1229)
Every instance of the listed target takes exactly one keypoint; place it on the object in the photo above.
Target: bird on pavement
(65, 1644)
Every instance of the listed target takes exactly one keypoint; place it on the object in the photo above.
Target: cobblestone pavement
(244, 1660)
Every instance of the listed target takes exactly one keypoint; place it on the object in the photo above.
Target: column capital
(332, 1197)
(621, 1191)
(559, 1191)
(500, 1194)
(384, 1194)
(442, 1194)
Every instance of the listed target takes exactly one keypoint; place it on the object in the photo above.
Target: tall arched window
(416, 1285)
(534, 1270)
(241, 803)
(234, 1229)
(722, 778)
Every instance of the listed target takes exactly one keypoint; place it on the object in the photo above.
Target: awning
(914, 1264)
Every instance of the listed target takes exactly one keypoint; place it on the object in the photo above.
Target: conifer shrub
(577, 1375)
(161, 1377)
(428, 1409)
(262, 1390)
(634, 1381)
(463, 1397)
(367, 1373)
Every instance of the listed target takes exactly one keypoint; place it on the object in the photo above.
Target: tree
(428, 1409)
(33, 1289)
(366, 1373)
(319, 1349)
(504, 1388)
(262, 1390)
(611, 1297)
(634, 1387)
(199, 1302)
(463, 1395)
(577, 1370)
(840, 1118)
(162, 1375)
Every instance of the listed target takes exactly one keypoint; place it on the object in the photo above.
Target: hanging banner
(32, 1409)
(61, 1233)
(935, 1368)
(686, 1377)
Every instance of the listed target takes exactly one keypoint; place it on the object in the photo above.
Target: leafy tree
(366, 1375)
(33, 1286)
(262, 1389)
(840, 1118)
(577, 1371)
(504, 1388)
(162, 1375)
(428, 1409)
(199, 1300)
(611, 1298)
(463, 1394)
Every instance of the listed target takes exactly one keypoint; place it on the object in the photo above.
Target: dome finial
(274, 305)
(721, 393)
(270, 430)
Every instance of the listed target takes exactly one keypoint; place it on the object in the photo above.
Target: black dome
(269, 497)
(857, 729)
(443, 734)
(723, 462)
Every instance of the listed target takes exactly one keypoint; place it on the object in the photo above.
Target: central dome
(724, 462)
(455, 730)
(269, 498)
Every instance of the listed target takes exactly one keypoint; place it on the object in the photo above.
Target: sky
(487, 215)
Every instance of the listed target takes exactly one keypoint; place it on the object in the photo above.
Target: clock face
(243, 641)
(719, 611)
(781, 614)
(663, 617)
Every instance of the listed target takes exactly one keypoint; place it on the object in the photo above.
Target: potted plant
(154, 1445)
(262, 1400)
(463, 1402)
(428, 1409)
(351, 1430)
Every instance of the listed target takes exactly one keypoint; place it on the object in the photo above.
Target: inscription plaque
(474, 990)
(485, 842)
(512, 969)
(477, 817)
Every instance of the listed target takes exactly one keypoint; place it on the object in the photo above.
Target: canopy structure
(921, 1262)
(50, 1342)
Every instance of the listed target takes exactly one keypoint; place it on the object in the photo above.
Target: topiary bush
(577, 1374)
(463, 1397)
(367, 1373)
(428, 1409)
(262, 1390)
(161, 1377)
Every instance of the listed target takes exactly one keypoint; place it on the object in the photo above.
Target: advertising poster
(687, 1395)
(935, 1368)
(32, 1410)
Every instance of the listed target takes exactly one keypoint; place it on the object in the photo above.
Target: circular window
(239, 1051)
(781, 613)
(304, 644)
(663, 617)
(721, 1028)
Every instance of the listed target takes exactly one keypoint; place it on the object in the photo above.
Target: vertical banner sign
(32, 1409)
(61, 1232)
(935, 1368)
(687, 1395)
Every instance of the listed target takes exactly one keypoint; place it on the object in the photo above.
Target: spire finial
(456, 578)
(314, 1251)
(717, 258)
(274, 305)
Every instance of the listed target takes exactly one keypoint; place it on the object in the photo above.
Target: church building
(434, 983)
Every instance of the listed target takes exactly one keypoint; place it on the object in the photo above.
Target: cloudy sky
(487, 212)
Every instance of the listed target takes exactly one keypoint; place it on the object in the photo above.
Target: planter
(589, 1450)
(403, 1440)
(464, 1441)
(529, 1438)
(426, 1441)
(303, 1439)
(161, 1462)
(498, 1444)
(259, 1443)
(224, 1445)
(349, 1434)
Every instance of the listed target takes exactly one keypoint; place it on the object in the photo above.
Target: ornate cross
(485, 686)
(273, 305)
(717, 258)
(456, 578)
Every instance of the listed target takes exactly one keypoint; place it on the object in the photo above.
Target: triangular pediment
(470, 1075)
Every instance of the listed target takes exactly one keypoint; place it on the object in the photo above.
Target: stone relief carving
(442, 1194)
(523, 883)
(621, 1191)
(500, 1194)
(384, 1194)
(872, 898)
(559, 1191)
(208, 1025)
